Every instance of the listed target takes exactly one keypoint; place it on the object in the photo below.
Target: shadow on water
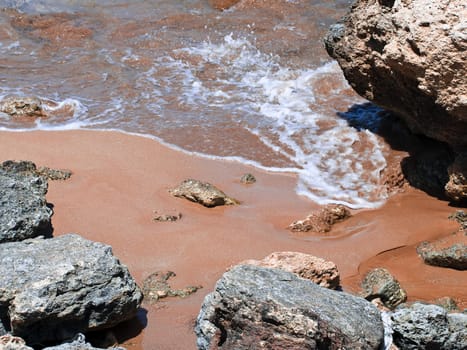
(426, 165)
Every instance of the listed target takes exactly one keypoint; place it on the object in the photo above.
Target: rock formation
(422, 326)
(323, 220)
(18, 106)
(24, 212)
(379, 283)
(51, 289)
(408, 57)
(276, 309)
(156, 286)
(453, 256)
(323, 273)
(203, 193)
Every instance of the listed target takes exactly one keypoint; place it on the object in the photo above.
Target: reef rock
(423, 326)
(408, 57)
(52, 289)
(323, 273)
(379, 283)
(323, 220)
(24, 212)
(275, 309)
(203, 193)
(17, 106)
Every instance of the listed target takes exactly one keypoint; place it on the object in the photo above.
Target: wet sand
(119, 181)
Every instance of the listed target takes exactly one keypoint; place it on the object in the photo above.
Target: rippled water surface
(252, 83)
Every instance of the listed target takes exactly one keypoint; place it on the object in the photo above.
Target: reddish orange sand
(119, 180)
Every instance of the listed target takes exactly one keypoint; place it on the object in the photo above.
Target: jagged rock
(422, 326)
(24, 212)
(248, 179)
(461, 217)
(26, 167)
(156, 286)
(275, 309)
(454, 256)
(323, 220)
(78, 343)
(17, 106)
(51, 289)
(9, 342)
(379, 283)
(203, 193)
(323, 273)
(167, 217)
(456, 187)
(408, 57)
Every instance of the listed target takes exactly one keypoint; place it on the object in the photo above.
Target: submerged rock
(52, 289)
(17, 106)
(323, 273)
(156, 286)
(323, 220)
(248, 179)
(24, 212)
(203, 193)
(379, 283)
(408, 57)
(423, 326)
(276, 309)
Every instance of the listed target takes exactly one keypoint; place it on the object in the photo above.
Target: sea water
(252, 84)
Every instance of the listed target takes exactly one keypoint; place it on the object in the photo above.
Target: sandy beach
(120, 180)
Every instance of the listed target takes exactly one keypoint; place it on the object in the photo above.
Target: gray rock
(9, 342)
(408, 57)
(274, 309)
(52, 289)
(454, 256)
(422, 326)
(23, 210)
(79, 343)
(248, 179)
(379, 283)
(203, 193)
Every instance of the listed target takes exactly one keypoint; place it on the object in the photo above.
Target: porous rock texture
(274, 309)
(379, 283)
(24, 212)
(322, 220)
(52, 289)
(425, 326)
(408, 56)
(454, 256)
(20, 106)
(323, 273)
(203, 193)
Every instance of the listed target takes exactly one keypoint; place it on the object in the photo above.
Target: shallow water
(252, 83)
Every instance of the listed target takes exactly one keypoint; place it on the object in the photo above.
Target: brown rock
(222, 4)
(156, 286)
(203, 193)
(17, 106)
(323, 220)
(380, 284)
(438, 253)
(317, 270)
(408, 57)
(456, 188)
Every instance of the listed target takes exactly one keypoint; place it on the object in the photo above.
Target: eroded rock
(276, 309)
(408, 57)
(9, 342)
(24, 212)
(453, 256)
(203, 193)
(248, 179)
(323, 273)
(379, 283)
(456, 187)
(17, 106)
(156, 286)
(78, 343)
(422, 326)
(52, 289)
(222, 4)
(323, 220)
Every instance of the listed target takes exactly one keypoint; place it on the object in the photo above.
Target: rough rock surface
(454, 256)
(9, 342)
(276, 309)
(422, 326)
(456, 187)
(51, 289)
(248, 179)
(78, 343)
(203, 193)
(408, 57)
(17, 106)
(323, 273)
(379, 283)
(23, 211)
(323, 220)
(222, 4)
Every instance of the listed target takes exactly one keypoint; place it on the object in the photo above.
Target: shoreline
(119, 180)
